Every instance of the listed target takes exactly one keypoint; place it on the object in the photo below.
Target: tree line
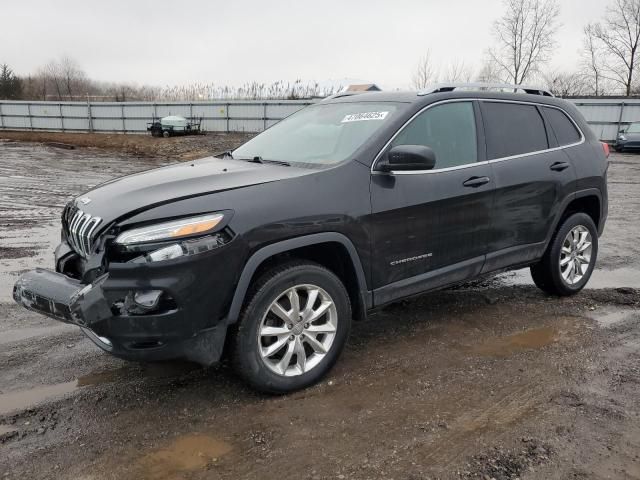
(524, 39)
(65, 80)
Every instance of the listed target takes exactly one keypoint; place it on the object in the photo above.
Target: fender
(291, 244)
(603, 205)
(563, 207)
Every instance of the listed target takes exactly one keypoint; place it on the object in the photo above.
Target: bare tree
(592, 60)
(41, 84)
(73, 77)
(425, 72)
(565, 84)
(66, 78)
(54, 76)
(458, 71)
(490, 72)
(525, 37)
(619, 36)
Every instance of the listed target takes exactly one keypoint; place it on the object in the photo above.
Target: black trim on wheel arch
(291, 244)
(563, 208)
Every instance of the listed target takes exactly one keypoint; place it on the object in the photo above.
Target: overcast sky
(229, 42)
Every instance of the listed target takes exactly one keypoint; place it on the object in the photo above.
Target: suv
(268, 252)
(628, 138)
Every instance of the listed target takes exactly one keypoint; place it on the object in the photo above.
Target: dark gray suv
(270, 251)
(628, 138)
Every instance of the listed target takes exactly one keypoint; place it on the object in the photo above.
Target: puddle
(152, 370)
(187, 453)
(528, 340)
(46, 237)
(608, 318)
(6, 429)
(619, 277)
(24, 399)
(19, 334)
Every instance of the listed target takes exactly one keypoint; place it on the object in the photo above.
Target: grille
(79, 228)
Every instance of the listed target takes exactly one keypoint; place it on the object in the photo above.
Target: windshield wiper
(277, 162)
(259, 159)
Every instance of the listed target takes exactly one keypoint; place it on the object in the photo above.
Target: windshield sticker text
(360, 117)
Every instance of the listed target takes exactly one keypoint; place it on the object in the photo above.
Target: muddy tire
(292, 329)
(570, 258)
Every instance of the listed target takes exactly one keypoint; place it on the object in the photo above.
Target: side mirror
(409, 157)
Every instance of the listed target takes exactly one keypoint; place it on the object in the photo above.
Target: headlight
(176, 229)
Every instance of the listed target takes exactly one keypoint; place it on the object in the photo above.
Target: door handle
(559, 166)
(475, 182)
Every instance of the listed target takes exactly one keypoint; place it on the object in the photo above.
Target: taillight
(605, 147)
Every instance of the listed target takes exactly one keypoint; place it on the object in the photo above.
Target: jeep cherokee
(269, 251)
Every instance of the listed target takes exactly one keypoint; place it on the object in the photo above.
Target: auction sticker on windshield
(360, 117)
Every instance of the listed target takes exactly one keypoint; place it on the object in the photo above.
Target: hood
(632, 136)
(134, 193)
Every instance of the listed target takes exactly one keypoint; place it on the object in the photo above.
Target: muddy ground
(183, 148)
(492, 379)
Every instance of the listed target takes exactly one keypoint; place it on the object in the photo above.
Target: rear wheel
(570, 257)
(292, 329)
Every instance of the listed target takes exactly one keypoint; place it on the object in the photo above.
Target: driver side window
(448, 129)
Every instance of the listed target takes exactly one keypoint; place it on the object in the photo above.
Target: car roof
(420, 99)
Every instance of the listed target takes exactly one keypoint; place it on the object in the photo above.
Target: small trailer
(173, 125)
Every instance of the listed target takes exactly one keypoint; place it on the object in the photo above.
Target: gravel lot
(491, 379)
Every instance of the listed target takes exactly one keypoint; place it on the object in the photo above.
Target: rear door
(431, 227)
(532, 177)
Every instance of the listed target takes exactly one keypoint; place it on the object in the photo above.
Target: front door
(430, 227)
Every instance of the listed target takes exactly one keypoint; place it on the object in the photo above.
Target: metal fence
(605, 115)
(132, 117)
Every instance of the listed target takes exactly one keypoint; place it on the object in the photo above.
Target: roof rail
(449, 87)
(341, 94)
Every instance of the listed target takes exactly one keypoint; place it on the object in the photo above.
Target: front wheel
(293, 328)
(570, 258)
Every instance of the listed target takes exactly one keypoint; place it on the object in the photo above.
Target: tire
(575, 242)
(272, 363)
(166, 133)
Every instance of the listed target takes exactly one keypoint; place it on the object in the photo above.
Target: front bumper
(191, 325)
(60, 297)
(627, 144)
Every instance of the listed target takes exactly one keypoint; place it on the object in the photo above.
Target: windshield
(320, 134)
(634, 128)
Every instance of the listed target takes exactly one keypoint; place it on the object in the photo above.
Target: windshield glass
(320, 134)
(634, 128)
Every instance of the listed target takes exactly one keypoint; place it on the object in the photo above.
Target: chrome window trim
(484, 162)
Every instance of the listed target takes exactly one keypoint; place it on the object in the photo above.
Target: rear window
(513, 129)
(564, 129)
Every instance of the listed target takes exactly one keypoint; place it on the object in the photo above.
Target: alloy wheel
(297, 330)
(575, 254)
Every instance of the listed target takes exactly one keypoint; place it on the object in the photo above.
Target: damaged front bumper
(158, 335)
(58, 296)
